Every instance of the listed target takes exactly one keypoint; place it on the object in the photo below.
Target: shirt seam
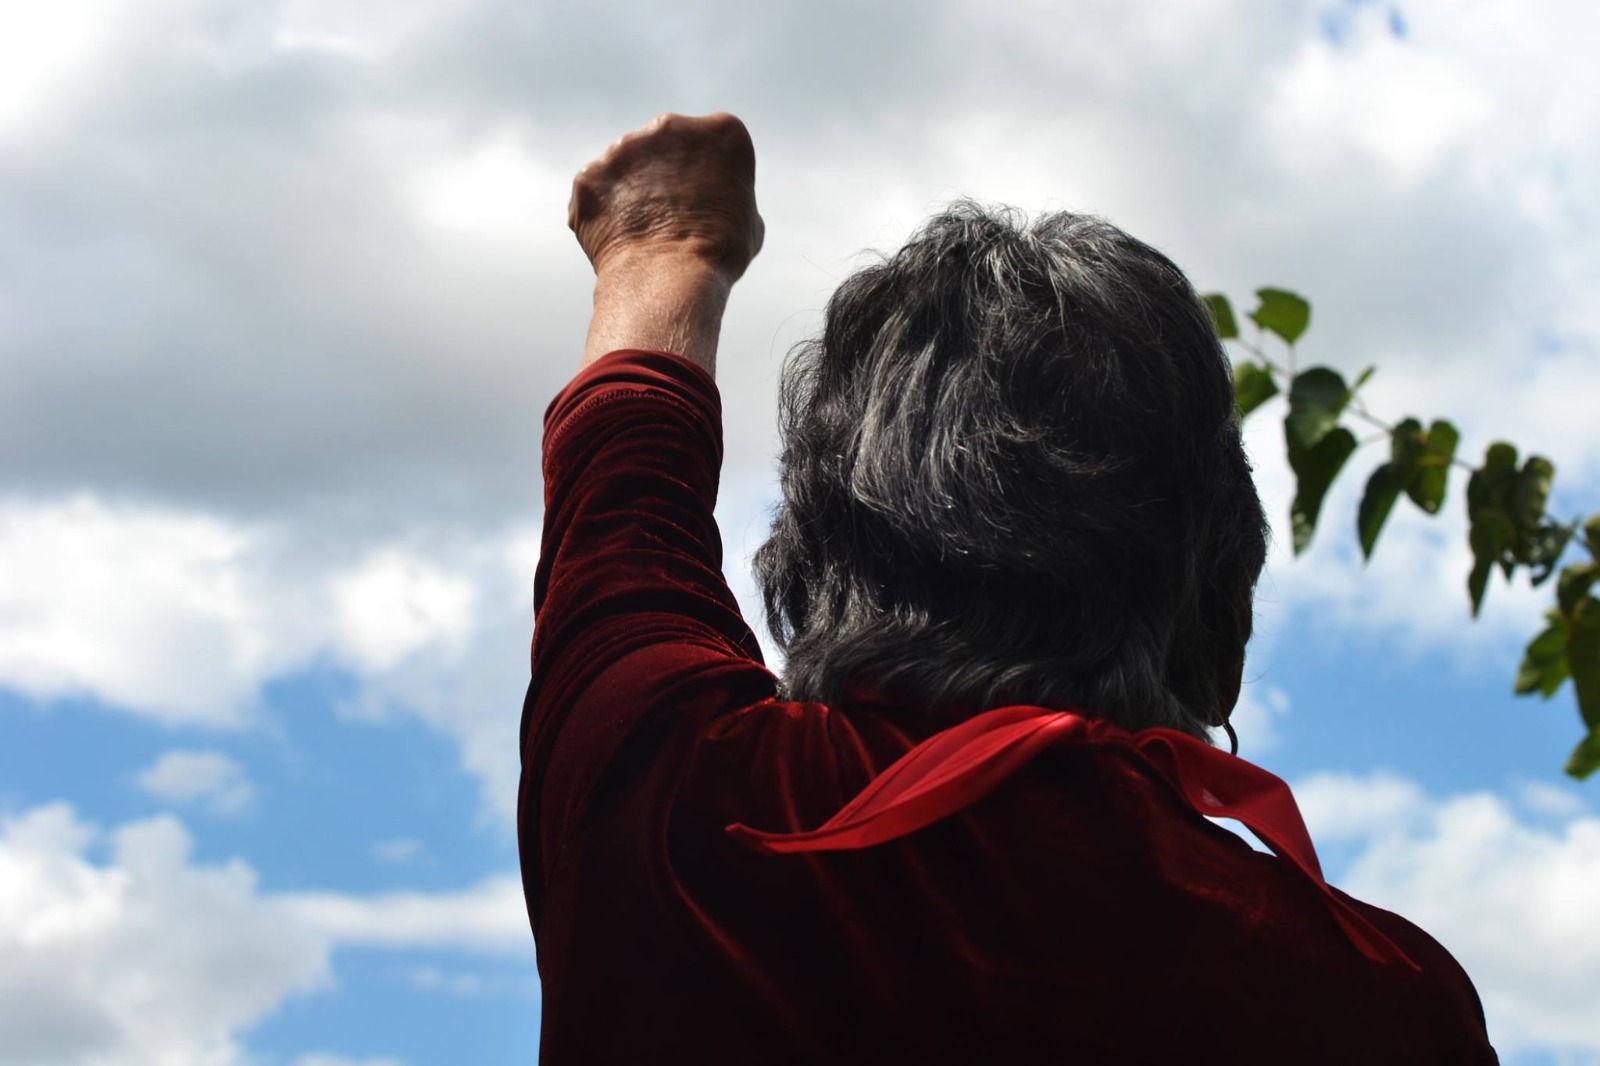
(620, 392)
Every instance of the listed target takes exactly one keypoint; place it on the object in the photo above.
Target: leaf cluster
(1506, 501)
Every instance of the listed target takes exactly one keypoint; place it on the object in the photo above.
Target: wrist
(680, 265)
(658, 297)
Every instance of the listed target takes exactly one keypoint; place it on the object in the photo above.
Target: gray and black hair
(1012, 473)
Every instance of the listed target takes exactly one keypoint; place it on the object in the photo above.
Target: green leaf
(1316, 468)
(1363, 377)
(1407, 450)
(1544, 664)
(1583, 658)
(1252, 387)
(1407, 442)
(1490, 537)
(1490, 485)
(1383, 488)
(1585, 758)
(1283, 313)
(1316, 399)
(1500, 454)
(1407, 446)
(1591, 534)
(1494, 533)
(1530, 493)
(1574, 585)
(1221, 315)
(1544, 551)
(1427, 485)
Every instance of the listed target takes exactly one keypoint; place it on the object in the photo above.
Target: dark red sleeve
(631, 609)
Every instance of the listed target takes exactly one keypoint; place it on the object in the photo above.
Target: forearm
(666, 300)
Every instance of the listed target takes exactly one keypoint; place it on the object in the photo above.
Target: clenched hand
(677, 185)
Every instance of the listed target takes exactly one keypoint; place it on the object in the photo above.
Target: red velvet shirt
(1080, 912)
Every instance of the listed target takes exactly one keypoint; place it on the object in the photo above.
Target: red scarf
(955, 768)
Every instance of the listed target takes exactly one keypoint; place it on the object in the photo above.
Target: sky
(285, 288)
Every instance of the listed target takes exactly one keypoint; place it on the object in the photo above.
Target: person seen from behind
(1011, 574)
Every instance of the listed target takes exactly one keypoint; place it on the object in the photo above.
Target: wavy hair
(1012, 473)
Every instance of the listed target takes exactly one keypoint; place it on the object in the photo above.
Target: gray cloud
(223, 293)
(302, 269)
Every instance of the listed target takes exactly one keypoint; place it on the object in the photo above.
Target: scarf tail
(959, 766)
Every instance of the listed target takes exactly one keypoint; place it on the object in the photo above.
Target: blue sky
(285, 288)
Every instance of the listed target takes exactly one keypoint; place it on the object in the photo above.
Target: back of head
(1012, 473)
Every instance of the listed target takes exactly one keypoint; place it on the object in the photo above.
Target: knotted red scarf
(955, 768)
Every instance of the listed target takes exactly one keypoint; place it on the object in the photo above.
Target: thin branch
(1357, 406)
(1359, 409)
(1261, 356)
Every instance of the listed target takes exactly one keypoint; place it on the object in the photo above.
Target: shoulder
(1446, 994)
(785, 768)
(787, 765)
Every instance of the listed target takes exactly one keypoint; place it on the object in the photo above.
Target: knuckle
(729, 125)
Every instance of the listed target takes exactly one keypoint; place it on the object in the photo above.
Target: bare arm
(668, 301)
(667, 217)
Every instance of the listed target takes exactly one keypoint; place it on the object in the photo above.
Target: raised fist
(677, 184)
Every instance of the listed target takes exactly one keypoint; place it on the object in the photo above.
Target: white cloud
(148, 958)
(136, 605)
(433, 979)
(360, 29)
(399, 850)
(395, 604)
(42, 48)
(499, 191)
(473, 983)
(1337, 810)
(1255, 719)
(183, 617)
(471, 690)
(1389, 102)
(1557, 801)
(1511, 895)
(490, 916)
(209, 777)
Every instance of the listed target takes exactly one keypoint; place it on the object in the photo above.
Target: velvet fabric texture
(1077, 909)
